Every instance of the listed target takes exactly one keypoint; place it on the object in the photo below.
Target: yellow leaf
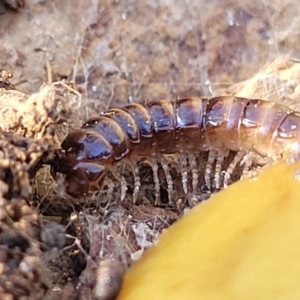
(243, 243)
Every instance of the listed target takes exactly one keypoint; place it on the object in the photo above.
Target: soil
(65, 61)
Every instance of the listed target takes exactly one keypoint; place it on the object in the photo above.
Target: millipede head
(85, 177)
(81, 177)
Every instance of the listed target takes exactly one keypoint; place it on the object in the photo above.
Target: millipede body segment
(184, 127)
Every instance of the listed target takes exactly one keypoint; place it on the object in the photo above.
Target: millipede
(187, 126)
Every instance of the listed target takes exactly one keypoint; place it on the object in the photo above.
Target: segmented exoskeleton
(186, 126)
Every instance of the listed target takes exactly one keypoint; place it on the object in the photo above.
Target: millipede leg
(123, 183)
(195, 177)
(137, 180)
(123, 187)
(169, 179)
(237, 158)
(156, 180)
(208, 169)
(218, 169)
(110, 189)
(247, 162)
(184, 173)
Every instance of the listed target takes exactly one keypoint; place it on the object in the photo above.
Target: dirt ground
(99, 54)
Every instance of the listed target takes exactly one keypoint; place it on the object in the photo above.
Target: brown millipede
(185, 126)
